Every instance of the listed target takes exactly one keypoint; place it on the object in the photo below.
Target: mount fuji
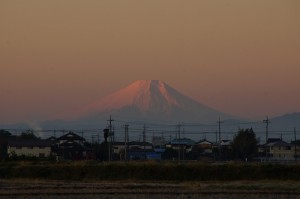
(155, 102)
(147, 100)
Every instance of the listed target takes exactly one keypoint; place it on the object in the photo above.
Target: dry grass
(28, 188)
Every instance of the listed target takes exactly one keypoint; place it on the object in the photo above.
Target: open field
(62, 189)
(27, 179)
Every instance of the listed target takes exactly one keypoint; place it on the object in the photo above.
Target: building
(280, 151)
(205, 146)
(120, 146)
(224, 149)
(158, 141)
(70, 146)
(226, 143)
(277, 150)
(29, 148)
(202, 149)
(135, 150)
(184, 144)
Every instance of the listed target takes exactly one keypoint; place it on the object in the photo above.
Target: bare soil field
(16, 189)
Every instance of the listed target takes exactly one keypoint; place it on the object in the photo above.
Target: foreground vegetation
(147, 171)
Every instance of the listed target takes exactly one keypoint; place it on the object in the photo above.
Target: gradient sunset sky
(239, 57)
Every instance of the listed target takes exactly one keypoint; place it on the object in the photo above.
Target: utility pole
(106, 135)
(179, 144)
(126, 141)
(220, 139)
(113, 135)
(110, 144)
(144, 142)
(216, 153)
(162, 139)
(183, 149)
(144, 136)
(295, 137)
(267, 121)
(219, 122)
(267, 134)
(63, 131)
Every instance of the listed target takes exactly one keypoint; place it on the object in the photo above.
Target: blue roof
(183, 141)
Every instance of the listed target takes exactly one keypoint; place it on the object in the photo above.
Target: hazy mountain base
(282, 126)
(233, 189)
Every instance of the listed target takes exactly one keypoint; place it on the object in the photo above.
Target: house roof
(140, 143)
(270, 140)
(70, 144)
(28, 143)
(52, 138)
(226, 142)
(134, 143)
(71, 136)
(279, 143)
(140, 150)
(183, 141)
(204, 141)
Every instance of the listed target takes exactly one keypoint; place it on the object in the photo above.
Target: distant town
(106, 146)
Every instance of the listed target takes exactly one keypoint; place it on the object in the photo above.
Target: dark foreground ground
(127, 190)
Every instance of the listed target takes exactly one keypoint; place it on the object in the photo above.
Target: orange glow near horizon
(240, 57)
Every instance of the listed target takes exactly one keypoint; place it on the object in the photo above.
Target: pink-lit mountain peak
(148, 93)
(143, 94)
(148, 100)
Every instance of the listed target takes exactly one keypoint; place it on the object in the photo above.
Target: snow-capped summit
(150, 100)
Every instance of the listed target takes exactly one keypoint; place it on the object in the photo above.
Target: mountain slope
(149, 100)
(285, 122)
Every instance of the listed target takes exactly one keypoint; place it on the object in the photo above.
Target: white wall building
(30, 148)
